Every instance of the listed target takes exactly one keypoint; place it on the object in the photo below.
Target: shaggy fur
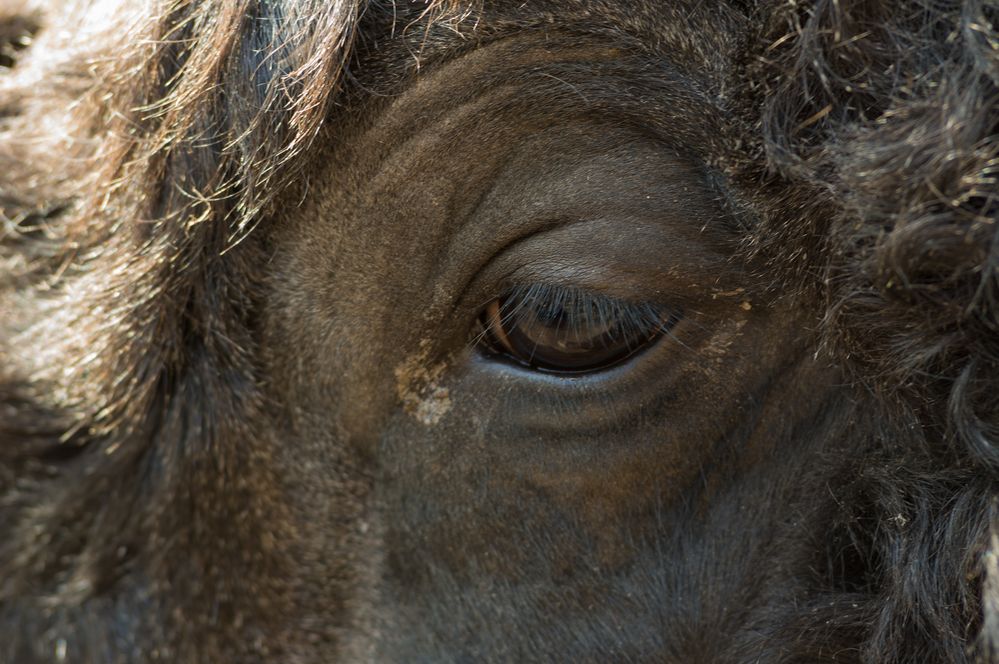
(140, 150)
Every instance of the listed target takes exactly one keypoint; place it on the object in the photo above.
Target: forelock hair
(136, 150)
(140, 143)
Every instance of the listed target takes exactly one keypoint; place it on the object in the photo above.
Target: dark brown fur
(151, 167)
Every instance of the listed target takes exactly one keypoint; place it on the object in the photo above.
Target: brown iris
(568, 330)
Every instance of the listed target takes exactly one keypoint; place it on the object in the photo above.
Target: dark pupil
(572, 332)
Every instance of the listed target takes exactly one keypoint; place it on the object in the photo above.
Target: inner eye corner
(568, 331)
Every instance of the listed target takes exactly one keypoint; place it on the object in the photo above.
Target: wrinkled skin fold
(249, 406)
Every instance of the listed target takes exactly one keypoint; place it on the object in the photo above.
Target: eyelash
(634, 317)
(591, 331)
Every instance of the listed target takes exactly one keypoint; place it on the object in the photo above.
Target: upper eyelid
(642, 313)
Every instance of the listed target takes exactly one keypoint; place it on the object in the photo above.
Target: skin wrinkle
(244, 248)
(484, 558)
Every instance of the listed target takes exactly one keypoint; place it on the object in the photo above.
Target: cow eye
(569, 330)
